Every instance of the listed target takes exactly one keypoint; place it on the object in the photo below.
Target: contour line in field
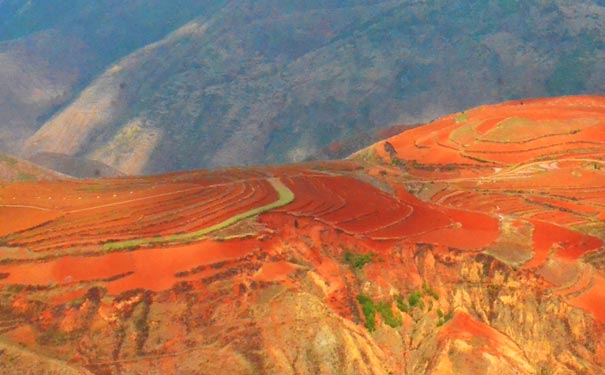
(285, 196)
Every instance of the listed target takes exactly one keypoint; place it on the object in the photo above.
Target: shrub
(369, 311)
(390, 319)
(357, 261)
(444, 318)
(402, 306)
(415, 299)
(430, 291)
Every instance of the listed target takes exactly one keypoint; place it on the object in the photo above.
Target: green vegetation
(571, 72)
(8, 160)
(384, 308)
(369, 311)
(369, 308)
(424, 167)
(415, 300)
(480, 160)
(55, 336)
(96, 188)
(595, 228)
(126, 26)
(285, 196)
(462, 117)
(25, 177)
(429, 291)
(402, 305)
(414, 304)
(356, 260)
(443, 318)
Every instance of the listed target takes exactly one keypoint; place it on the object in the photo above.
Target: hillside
(471, 245)
(223, 83)
(13, 169)
(50, 51)
(74, 166)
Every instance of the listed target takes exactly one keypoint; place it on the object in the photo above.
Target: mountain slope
(262, 81)
(13, 169)
(50, 51)
(74, 166)
(473, 244)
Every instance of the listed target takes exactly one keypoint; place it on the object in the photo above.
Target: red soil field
(432, 144)
(16, 219)
(185, 208)
(153, 267)
(465, 327)
(276, 271)
(592, 299)
(545, 165)
(574, 207)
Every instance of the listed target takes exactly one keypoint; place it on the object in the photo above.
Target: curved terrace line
(197, 187)
(25, 206)
(285, 196)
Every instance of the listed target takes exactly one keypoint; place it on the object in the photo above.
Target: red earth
(467, 225)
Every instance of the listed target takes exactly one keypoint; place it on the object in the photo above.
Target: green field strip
(517, 130)
(465, 135)
(285, 196)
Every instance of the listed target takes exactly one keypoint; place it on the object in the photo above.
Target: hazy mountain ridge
(51, 50)
(13, 169)
(266, 81)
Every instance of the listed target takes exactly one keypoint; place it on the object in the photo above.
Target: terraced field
(539, 161)
(478, 238)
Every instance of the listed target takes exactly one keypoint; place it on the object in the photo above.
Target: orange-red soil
(419, 206)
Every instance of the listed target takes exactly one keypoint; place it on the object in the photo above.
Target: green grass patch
(415, 300)
(444, 318)
(95, 188)
(522, 130)
(356, 260)
(26, 177)
(369, 311)
(465, 135)
(390, 318)
(285, 196)
(370, 308)
(402, 305)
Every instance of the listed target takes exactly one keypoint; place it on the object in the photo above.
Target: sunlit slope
(538, 166)
(14, 169)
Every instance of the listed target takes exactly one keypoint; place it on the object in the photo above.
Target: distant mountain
(51, 50)
(13, 169)
(74, 166)
(345, 147)
(210, 84)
